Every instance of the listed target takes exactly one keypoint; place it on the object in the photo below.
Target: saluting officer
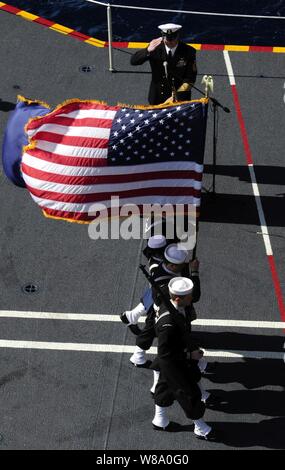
(173, 65)
(177, 361)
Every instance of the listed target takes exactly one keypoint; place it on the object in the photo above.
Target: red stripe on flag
(71, 122)
(84, 217)
(69, 108)
(108, 179)
(69, 216)
(75, 141)
(66, 160)
(98, 197)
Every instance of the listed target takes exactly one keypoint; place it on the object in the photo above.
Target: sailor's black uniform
(162, 276)
(178, 373)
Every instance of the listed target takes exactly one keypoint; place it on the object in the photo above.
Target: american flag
(85, 152)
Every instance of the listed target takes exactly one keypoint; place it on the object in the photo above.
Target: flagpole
(194, 252)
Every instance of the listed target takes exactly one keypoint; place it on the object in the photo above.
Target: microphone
(165, 68)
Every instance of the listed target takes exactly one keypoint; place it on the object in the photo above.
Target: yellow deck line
(95, 42)
(236, 48)
(137, 45)
(27, 16)
(279, 49)
(196, 46)
(61, 29)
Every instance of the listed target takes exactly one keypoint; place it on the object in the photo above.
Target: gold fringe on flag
(162, 105)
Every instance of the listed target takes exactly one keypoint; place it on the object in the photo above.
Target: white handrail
(111, 5)
(234, 15)
(110, 37)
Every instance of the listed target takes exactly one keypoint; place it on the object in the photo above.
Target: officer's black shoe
(212, 436)
(145, 365)
(134, 328)
(171, 427)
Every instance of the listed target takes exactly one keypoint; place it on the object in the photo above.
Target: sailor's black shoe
(171, 427)
(212, 436)
(210, 369)
(145, 365)
(123, 318)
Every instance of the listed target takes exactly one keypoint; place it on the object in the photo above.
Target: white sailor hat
(180, 286)
(174, 254)
(169, 29)
(156, 241)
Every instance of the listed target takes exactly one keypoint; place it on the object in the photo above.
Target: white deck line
(115, 318)
(117, 348)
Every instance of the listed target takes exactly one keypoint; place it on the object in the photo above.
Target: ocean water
(140, 25)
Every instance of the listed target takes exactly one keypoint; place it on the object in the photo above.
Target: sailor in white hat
(180, 288)
(176, 256)
(173, 65)
(154, 252)
(175, 261)
(179, 379)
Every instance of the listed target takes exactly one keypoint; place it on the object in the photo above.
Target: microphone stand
(174, 93)
(216, 104)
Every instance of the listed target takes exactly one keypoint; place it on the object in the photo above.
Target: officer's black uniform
(181, 67)
(178, 374)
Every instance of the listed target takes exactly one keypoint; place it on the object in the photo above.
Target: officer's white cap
(180, 286)
(169, 28)
(175, 254)
(157, 241)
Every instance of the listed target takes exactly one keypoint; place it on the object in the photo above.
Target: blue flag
(15, 137)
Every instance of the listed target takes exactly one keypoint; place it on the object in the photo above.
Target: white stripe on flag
(105, 188)
(69, 170)
(78, 114)
(71, 150)
(89, 113)
(85, 208)
(76, 131)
